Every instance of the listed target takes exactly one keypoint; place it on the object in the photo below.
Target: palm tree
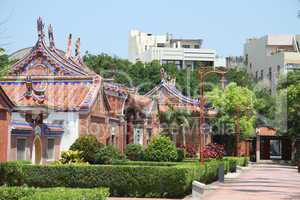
(176, 119)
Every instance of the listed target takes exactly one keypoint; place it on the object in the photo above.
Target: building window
(278, 69)
(113, 135)
(149, 135)
(50, 149)
(160, 45)
(270, 73)
(197, 46)
(256, 75)
(21, 149)
(138, 136)
(261, 74)
(250, 65)
(186, 46)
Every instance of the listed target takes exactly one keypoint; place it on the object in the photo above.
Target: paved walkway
(259, 182)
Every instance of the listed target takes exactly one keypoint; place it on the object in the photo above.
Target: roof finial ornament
(77, 50)
(51, 36)
(40, 28)
(69, 46)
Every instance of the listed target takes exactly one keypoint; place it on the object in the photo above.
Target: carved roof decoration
(48, 60)
(167, 94)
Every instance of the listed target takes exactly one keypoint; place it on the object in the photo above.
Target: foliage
(69, 157)
(181, 153)
(161, 148)
(26, 193)
(107, 154)
(235, 101)
(88, 145)
(146, 76)
(191, 150)
(176, 119)
(4, 62)
(134, 152)
(265, 107)
(289, 93)
(134, 180)
(213, 151)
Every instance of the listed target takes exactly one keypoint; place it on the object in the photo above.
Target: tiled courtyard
(260, 182)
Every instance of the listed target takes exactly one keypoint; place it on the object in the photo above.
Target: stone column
(257, 148)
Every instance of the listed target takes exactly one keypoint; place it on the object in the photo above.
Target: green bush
(143, 163)
(26, 193)
(134, 152)
(69, 157)
(107, 155)
(133, 178)
(161, 149)
(181, 154)
(11, 173)
(88, 145)
(15, 193)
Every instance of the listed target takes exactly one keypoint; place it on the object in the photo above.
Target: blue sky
(104, 25)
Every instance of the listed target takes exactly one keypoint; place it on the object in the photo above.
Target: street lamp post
(202, 73)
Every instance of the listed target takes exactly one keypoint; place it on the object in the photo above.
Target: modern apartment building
(184, 53)
(268, 56)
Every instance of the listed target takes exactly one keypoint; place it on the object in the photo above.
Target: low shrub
(88, 145)
(26, 193)
(15, 193)
(161, 149)
(107, 154)
(69, 157)
(213, 151)
(134, 152)
(131, 178)
(180, 154)
(191, 150)
(143, 163)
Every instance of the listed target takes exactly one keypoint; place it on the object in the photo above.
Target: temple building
(50, 97)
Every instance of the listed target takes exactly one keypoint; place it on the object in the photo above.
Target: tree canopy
(234, 102)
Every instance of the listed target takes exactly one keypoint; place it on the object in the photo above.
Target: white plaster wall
(71, 127)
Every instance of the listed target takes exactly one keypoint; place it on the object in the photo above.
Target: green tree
(176, 119)
(233, 103)
(289, 90)
(4, 62)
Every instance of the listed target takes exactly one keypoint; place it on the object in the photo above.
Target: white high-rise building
(268, 56)
(184, 53)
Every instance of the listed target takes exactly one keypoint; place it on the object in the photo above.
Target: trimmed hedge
(26, 193)
(133, 179)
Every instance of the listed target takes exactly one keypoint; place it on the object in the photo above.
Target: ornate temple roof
(47, 77)
(53, 93)
(168, 95)
(45, 60)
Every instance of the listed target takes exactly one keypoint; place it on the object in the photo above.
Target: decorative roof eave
(91, 96)
(7, 100)
(173, 91)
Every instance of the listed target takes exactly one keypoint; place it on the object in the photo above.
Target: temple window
(113, 135)
(50, 149)
(21, 149)
(149, 135)
(138, 136)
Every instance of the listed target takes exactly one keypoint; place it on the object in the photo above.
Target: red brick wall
(4, 135)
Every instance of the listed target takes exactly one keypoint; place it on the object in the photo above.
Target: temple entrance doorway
(37, 151)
